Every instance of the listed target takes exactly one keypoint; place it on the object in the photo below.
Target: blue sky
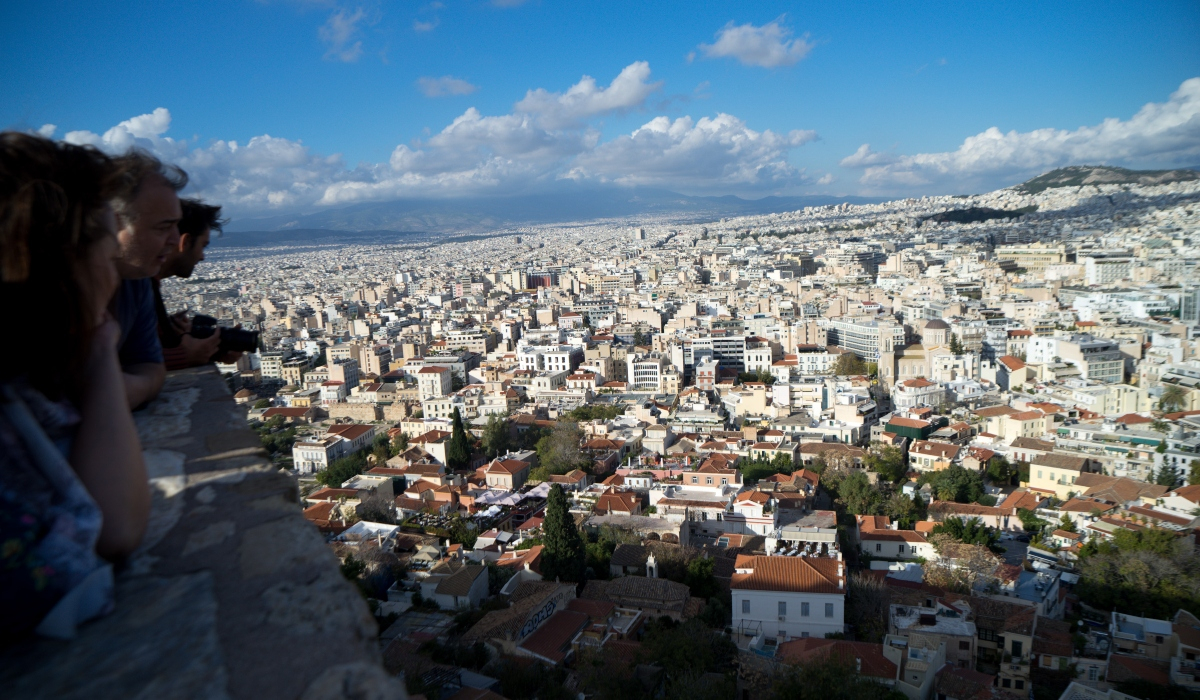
(361, 99)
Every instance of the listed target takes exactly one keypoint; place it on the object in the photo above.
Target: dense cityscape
(522, 350)
(953, 442)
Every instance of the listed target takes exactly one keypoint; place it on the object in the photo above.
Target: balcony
(232, 594)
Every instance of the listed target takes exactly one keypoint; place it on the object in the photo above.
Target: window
(804, 635)
(964, 646)
(1005, 683)
(1019, 684)
(708, 479)
(745, 607)
(724, 481)
(878, 547)
(696, 479)
(1017, 648)
(804, 610)
(902, 549)
(829, 610)
(1039, 474)
(1093, 673)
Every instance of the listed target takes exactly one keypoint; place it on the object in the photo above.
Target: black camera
(232, 339)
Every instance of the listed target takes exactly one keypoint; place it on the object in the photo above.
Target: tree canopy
(495, 436)
(968, 531)
(564, 556)
(458, 450)
(559, 452)
(848, 364)
(955, 483)
(887, 461)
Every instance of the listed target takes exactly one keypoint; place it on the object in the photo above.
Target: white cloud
(339, 35)
(584, 99)
(826, 179)
(445, 85)
(768, 46)
(47, 130)
(1160, 133)
(546, 138)
(429, 26)
(864, 157)
(712, 153)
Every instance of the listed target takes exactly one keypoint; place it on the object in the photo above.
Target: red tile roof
(869, 657)
(553, 639)
(794, 574)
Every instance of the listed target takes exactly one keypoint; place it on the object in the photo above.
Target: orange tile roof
(794, 574)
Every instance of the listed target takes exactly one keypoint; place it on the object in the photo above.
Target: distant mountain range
(564, 204)
(1077, 175)
(437, 219)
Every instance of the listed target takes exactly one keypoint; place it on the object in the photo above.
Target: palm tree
(1173, 398)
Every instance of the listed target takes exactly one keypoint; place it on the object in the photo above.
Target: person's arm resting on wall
(141, 352)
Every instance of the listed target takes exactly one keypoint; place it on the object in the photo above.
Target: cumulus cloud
(445, 85)
(768, 46)
(1166, 132)
(826, 179)
(585, 99)
(340, 33)
(864, 157)
(545, 138)
(47, 130)
(712, 152)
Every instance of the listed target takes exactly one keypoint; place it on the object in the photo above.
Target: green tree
(342, 470)
(380, 449)
(1067, 524)
(458, 450)
(1194, 472)
(859, 497)
(462, 532)
(700, 578)
(888, 462)
(1174, 398)
(1165, 476)
(564, 556)
(967, 531)
(956, 346)
(902, 510)
(849, 364)
(1030, 520)
(399, 443)
(559, 452)
(999, 470)
(262, 403)
(495, 436)
(639, 338)
(956, 483)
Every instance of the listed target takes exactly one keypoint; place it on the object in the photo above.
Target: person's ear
(185, 242)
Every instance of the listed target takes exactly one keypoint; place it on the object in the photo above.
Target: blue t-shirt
(139, 323)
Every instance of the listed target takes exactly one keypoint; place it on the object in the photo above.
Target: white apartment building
(434, 381)
(788, 597)
(1102, 270)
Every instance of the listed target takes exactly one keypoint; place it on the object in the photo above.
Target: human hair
(198, 216)
(132, 171)
(52, 201)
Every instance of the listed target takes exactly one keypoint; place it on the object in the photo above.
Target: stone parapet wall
(233, 594)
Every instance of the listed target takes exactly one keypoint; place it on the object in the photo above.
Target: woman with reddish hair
(73, 489)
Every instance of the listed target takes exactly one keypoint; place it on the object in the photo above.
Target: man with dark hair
(180, 348)
(148, 213)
